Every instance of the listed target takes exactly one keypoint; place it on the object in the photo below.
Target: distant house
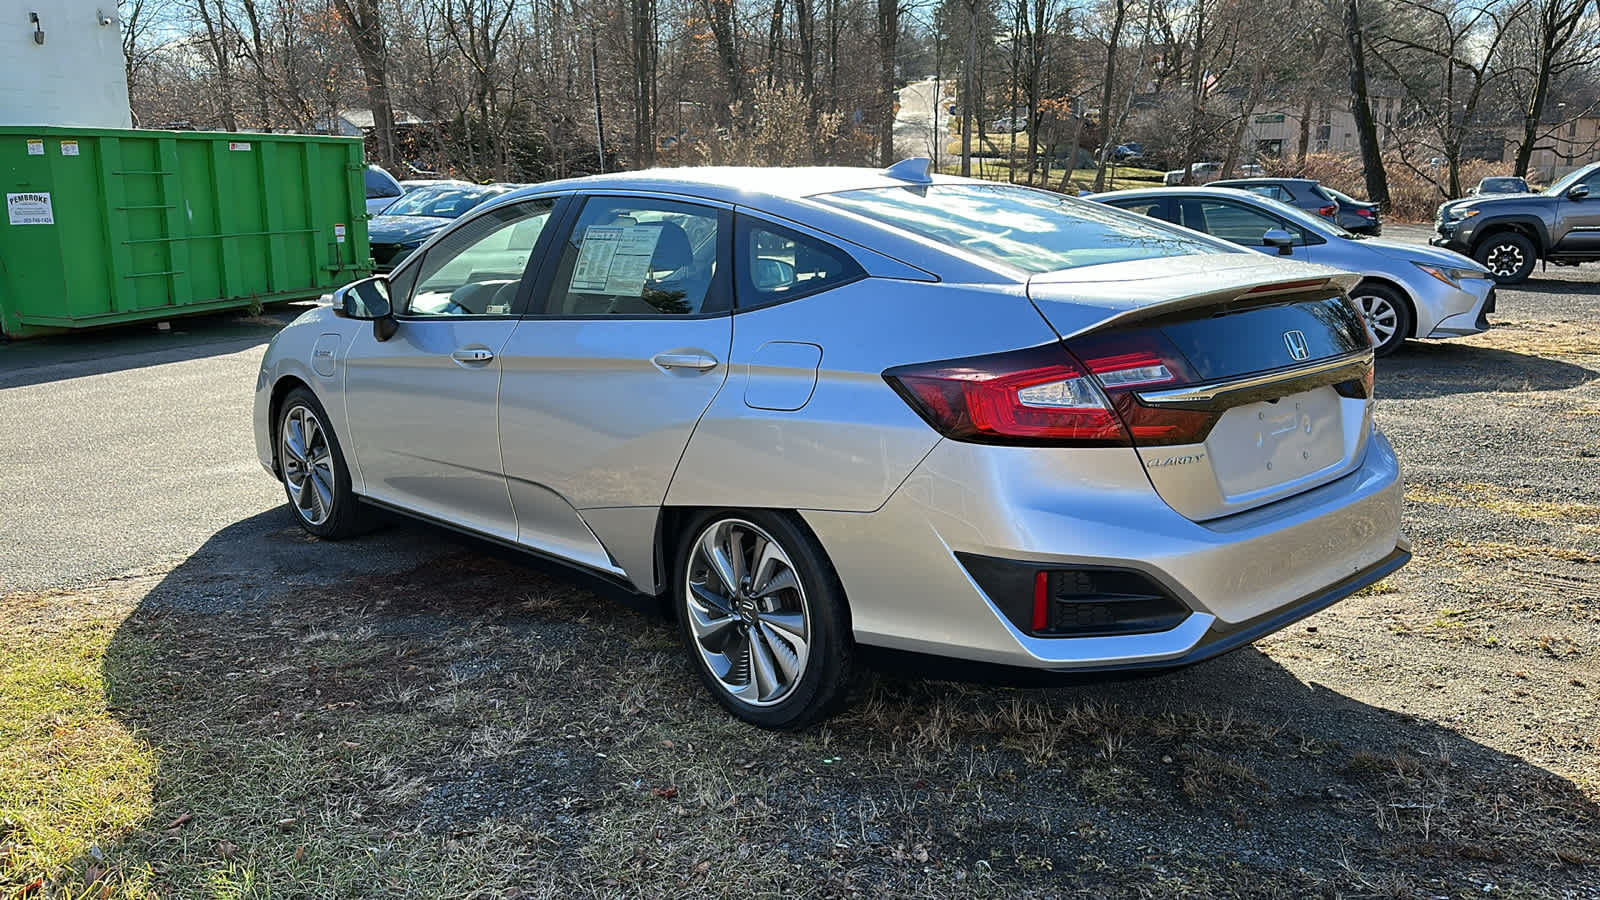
(358, 122)
(1274, 128)
(1560, 147)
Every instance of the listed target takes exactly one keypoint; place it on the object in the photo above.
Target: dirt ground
(415, 714)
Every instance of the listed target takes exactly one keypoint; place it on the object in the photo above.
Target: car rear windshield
(441, 202)
(1032, 230)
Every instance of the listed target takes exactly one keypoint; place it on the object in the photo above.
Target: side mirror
(772, 274)
(1577, 192)
(367, 300)
(1277, 237)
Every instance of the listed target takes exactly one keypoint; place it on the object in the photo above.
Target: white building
(61, 64)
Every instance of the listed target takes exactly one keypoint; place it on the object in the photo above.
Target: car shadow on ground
(1424, 369)
(98, 351)
(1546, 283)
(409, 711)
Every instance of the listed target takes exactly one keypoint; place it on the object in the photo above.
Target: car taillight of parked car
(1050, 395)
(1364, 213)
(1328, 212)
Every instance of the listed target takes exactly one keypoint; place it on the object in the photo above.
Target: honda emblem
(1296, 342)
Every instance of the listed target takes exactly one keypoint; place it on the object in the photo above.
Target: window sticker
(615, 259)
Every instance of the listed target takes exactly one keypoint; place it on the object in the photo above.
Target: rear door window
(1235, 222)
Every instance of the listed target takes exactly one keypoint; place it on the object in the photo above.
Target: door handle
(700, 361)
(472, 355)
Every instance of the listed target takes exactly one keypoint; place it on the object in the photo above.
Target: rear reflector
(1041, 601)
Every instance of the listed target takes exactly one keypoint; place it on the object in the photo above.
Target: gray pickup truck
(1509, 234)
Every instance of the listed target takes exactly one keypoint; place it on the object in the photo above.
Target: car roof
(743, 184)
(1203, 191)
(789, 193)
(1266, 179)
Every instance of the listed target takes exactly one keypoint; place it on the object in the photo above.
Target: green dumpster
(107, 226)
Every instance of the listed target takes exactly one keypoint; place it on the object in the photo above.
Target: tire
(1387, 314)
(762, 614)
(1508, 256)
(315, 478)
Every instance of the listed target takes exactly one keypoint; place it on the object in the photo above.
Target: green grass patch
(71, 774)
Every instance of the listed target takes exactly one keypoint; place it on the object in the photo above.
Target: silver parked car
(1405, 290)
(820, 410)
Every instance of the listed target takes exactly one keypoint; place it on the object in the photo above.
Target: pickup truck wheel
(1508, 256)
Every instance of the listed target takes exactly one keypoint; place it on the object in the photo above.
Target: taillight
(1040, 395)
(1364, 213)
(1328, 212)
(1129, 362)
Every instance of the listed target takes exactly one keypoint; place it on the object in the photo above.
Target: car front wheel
(313, 470)
(1508, 256)
(1388, 317)
(763, 615)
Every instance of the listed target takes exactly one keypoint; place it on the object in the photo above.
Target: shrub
(1413, 196)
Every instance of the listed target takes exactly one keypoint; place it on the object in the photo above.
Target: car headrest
(672, 248)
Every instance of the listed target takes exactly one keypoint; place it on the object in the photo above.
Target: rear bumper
(1241, 577)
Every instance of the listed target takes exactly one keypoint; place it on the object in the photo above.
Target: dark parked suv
(1509, 234)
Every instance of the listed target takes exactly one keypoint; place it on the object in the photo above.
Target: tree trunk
(365, 25)
(719, 15)
(1305, 129)
(1113, 44)
(217, 40)
(644, 144)
(888, 38)
(805, 23)
(1361, 108)
(969, 87)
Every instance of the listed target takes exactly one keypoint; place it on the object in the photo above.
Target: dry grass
(1504, 501)
(1550, 339)
(1500, 551)
(473, 729)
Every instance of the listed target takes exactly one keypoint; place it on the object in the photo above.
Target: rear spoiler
(1078, 301)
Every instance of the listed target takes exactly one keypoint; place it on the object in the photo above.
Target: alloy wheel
(748, 612)
(307, 465)
(1504, 260)
(1381, 316)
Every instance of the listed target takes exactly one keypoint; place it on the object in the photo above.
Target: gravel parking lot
(196, 700)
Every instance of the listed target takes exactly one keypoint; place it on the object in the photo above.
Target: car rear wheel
(1508, 256)
(1388, 317)
(763, 616)
(313, 470)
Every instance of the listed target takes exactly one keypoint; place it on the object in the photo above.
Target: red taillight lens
(1035, 396)
(1129, 362)
(1364, 213)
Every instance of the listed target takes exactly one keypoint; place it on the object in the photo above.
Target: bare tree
(365, 24)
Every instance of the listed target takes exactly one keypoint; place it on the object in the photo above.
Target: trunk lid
(1242, 379)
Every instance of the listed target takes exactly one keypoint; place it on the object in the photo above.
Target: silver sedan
(1405, 291)
(821, 411)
